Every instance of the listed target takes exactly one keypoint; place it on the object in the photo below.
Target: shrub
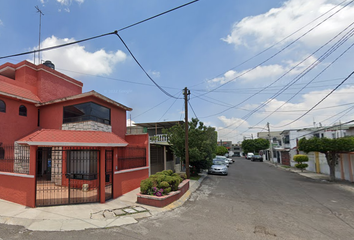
(164, 184)
(145, 185)
(166, 191)
(167, 172)
(161, 183)
(300, 159)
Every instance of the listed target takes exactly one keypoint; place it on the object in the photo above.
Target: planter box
(164, 200)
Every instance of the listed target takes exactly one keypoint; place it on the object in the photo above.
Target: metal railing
(159, 138)
(14, 158)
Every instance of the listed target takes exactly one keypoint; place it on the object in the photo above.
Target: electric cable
(192, 109)
(160, 14)
(351, 33)
(136, 60)
(318, 102)
(247, 71)
(325, 55)
(59, 46)
(169, 107)
(273, 45)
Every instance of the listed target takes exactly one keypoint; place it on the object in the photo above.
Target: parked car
(257, 158)
(218, 167)
(223, 158)
(249, 155)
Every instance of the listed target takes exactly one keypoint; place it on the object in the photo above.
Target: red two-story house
(61, 146)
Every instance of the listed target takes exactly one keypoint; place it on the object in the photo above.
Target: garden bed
(164, 200)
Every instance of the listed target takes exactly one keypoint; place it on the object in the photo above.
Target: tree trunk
(331, 160)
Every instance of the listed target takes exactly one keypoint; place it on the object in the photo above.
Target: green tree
(221, 150)
(330, 147)
(254, 145)
(300, 159)
(202, 143)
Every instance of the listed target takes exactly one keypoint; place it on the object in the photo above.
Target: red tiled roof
(54, 137)
(83, 95)
(11, 90)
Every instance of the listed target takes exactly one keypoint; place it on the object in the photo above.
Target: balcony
(159, 138)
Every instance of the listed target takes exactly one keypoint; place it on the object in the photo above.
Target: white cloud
(75, 58)
(265, 73)
(276, 24)
(155, 74)
(68, 2)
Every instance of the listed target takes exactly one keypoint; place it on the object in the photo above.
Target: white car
(228, 160)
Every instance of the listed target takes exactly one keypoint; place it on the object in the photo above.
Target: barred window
(82, 164)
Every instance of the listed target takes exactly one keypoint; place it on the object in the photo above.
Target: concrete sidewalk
(117, 212)
(305, 173)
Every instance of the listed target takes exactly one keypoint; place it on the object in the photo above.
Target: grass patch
(195, 177)
(285, 166)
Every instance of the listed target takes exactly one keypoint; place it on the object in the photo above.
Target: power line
(160, 14)
(169, 107)
(136, 60)
(325, 55)
(318, 102)
(192, 109)
(58, 46)
(291, 43)
(270, 47)
(87, 39)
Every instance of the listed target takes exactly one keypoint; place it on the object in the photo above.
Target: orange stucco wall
(12, 125)
(127, 181)
(20, 190)
(45, 82)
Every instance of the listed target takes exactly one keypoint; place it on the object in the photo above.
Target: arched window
(2, 106)
(2, 153)
(23, 111)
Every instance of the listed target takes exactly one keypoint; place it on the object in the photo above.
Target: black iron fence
(67, 175)
(131, 157)
(14, 158)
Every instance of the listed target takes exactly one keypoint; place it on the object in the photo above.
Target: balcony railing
(159, 138)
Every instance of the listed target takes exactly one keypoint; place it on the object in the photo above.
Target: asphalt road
(255, 201)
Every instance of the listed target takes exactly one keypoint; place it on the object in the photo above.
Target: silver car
(218, 167)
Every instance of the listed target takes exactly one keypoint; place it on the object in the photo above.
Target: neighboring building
(61, 146)
(276, 140)
(227, 144)
(237, 150)
(161, 155)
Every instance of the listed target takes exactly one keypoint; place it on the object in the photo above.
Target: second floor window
(2, 106)
(22, 111)
(85, 112)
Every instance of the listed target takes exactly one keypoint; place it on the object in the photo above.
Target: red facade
(80, 156)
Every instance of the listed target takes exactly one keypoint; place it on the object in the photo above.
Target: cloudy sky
(245, 63)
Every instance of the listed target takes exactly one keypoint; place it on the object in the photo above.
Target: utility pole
(39, 41)
(186, 93)
(270, 145)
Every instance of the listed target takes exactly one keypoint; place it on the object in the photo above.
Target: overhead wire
(193, 110)
(160, 14)
(169, 107)
(146, 73)
(318, 101)
(325, 55)
(281, 50)
(276, 43)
